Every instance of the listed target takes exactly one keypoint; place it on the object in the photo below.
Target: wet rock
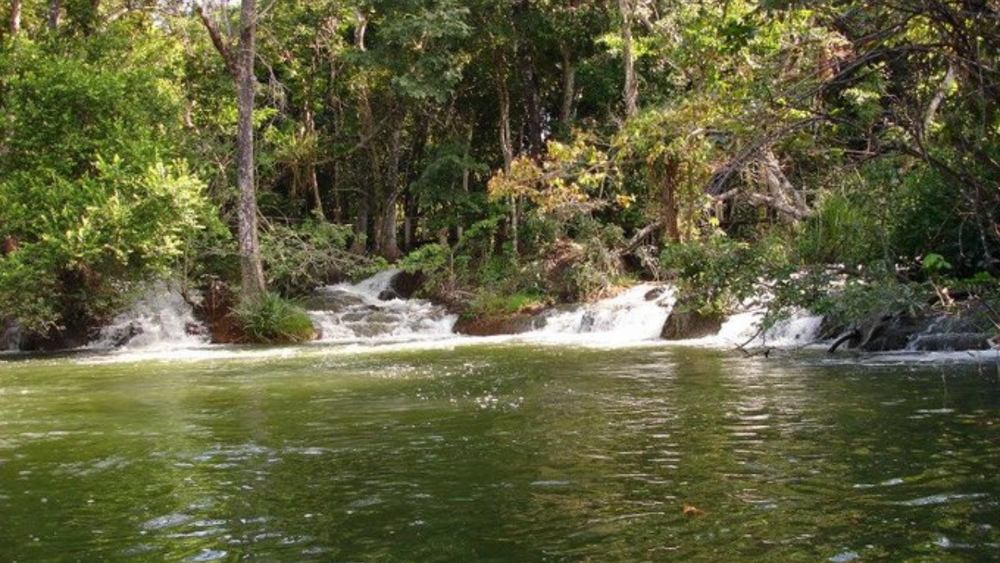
(332, 300)
(405, 284)
(951, 342)
(655, 293)
(517, 323)
(892, 333)
(214, 313)
(684, 325)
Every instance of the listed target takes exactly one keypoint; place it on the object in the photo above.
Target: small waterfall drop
(635, 315)
(160, 320)
(370, 311)
(743, 329)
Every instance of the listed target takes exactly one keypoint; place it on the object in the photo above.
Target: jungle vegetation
(840, 154)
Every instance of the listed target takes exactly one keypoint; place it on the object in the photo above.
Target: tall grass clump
(272, 319)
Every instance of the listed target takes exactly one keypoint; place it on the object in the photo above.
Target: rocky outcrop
(685, 325)
(516, 323)
(214, 312)
(968, 327)
(404, 285)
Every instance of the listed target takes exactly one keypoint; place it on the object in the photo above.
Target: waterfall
(637, 314)
(370, 311)
(743, 329)
(10, 337)
(160, 320)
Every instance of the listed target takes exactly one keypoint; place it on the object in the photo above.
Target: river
(504, 452)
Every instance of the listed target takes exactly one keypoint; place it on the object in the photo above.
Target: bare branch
(220, 43)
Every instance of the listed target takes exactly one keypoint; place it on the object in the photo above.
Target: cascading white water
(743, 329)
(160, 320)
(354, 312)
(634, 315)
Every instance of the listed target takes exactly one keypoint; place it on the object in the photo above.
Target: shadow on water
(498, 453)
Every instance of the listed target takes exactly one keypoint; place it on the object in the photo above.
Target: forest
(841, 156)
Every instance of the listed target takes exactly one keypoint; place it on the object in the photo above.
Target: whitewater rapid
(369, 315)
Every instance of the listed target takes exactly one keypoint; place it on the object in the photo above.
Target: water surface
(505, 453)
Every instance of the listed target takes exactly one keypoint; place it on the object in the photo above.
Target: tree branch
(217, 40)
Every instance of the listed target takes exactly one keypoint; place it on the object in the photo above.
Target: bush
(300, 258)
(94, 187)
(494, 304)
(716, 274)
(841, 232)
(271, 319)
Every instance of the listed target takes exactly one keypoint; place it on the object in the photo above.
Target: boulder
(892, 333)
(685, 325)
(517, 323)
(951, 342)
(404, 285)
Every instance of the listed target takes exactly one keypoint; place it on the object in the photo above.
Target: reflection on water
(503, 453)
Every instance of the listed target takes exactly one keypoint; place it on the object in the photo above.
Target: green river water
(498, 453)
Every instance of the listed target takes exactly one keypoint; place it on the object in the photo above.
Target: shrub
(271, 319)
(495, 304)
(714, 275)
(841, 232)
(300, 258)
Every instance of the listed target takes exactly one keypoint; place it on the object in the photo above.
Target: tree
(15, 16)
(241, 67)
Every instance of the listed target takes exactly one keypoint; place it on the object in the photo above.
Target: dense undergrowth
(835, 156)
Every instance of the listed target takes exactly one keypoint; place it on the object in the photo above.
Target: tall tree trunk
(466, 172)
(368, 132)
(569, 86)
(669, 215)
(311, 178)
(410, 200)
(503, 95)
(251, 266)
(631, 91)
(387, 244)
(532, 99)
(506, 146)
(55, 13)
(15, 16)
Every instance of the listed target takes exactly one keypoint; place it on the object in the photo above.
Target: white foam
(360, 316)
(160, 320)
(744, 329)
(627, 318)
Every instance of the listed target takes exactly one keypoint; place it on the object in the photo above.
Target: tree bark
(631, 90)
(217, 40)
(506, 146)
(15, 16)
(569, 86)
(251, 266)
(55, 13)
(311, 178)
(503, 95)
(668, 199)
(387, 244)
(532, 99)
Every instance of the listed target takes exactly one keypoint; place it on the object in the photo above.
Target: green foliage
(491, 304)
(935, 264)
(594, 267)
(861, 302)
(715, 275)
(302, 257)
(271, 319)
(841, 232)
(93, 188)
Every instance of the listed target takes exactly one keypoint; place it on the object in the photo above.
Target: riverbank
(383, 310)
